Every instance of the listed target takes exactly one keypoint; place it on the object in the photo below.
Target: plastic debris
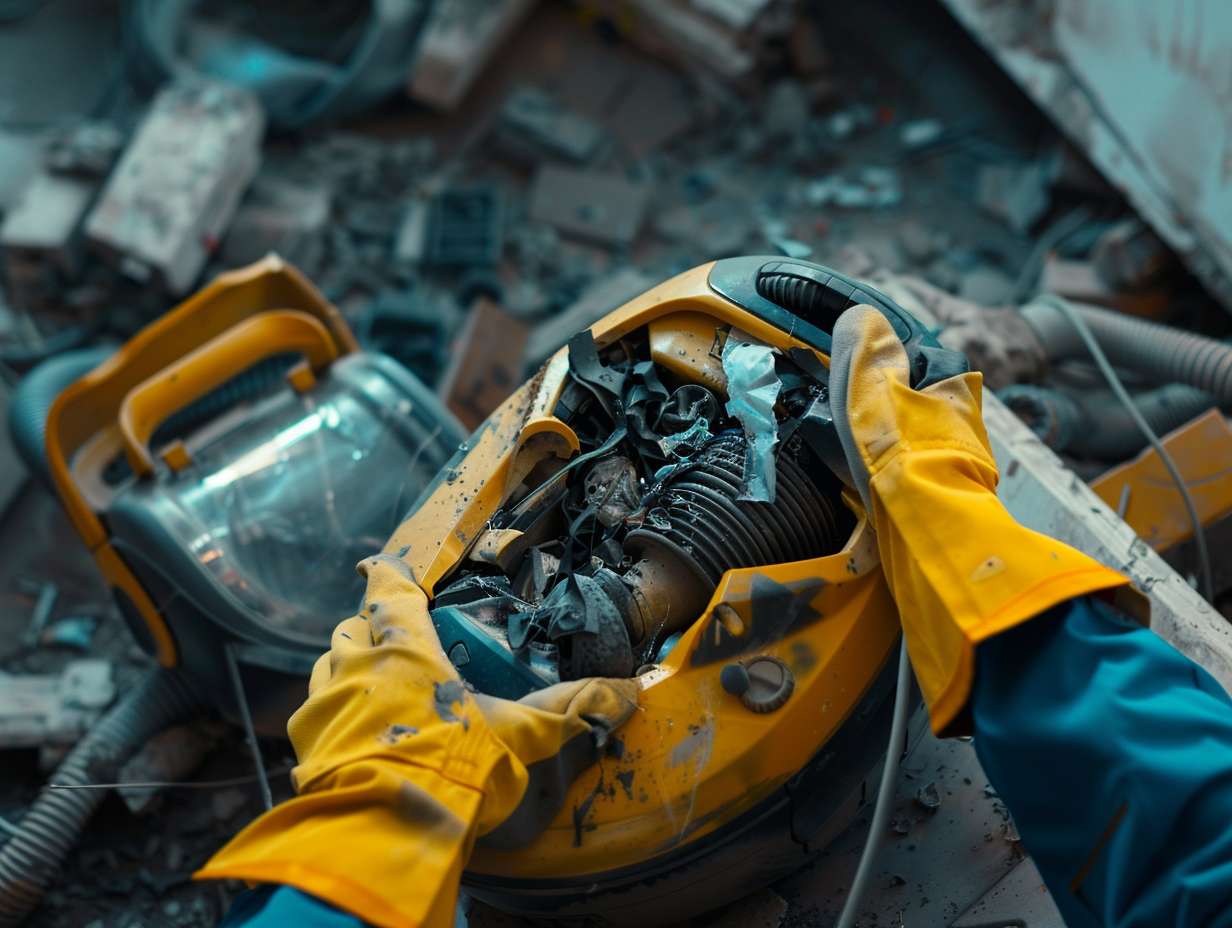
(533, 123)
(927, 797)
(597, 207)
(920, 133)
(53, 710)
(178, 184)
(847, 122)
(76, 632)
(485, 362)
(753, 387)
(39, 617)
(685, 443)
(459, 42)
(872, 188)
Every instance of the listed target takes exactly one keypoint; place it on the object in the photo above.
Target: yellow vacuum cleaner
(660, 500)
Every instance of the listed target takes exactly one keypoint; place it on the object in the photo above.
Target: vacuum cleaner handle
(187, 379)
(806, 299)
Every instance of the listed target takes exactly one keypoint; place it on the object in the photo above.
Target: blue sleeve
(272, 906)
(1113, 752)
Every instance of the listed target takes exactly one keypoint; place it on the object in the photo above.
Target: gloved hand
(401, 768)
(959, 567)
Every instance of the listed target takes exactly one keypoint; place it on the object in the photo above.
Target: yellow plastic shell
(694, 758)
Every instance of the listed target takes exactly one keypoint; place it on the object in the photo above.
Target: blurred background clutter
(471, 182)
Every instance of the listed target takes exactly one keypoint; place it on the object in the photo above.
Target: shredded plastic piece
(683, 444)
(752, 389)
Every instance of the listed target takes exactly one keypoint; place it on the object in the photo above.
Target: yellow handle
(154, 400)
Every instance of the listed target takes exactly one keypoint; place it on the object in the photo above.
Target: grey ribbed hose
(1097, 425)
(31, 859)
(1157, 352)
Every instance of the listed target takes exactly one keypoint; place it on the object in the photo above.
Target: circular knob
(770, 684)
(734, 679)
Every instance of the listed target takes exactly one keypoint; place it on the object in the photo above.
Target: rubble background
(547, 162)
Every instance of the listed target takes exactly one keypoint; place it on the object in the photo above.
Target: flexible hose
(1159, 353)
(1096, 425)
(31, 402)
(885, 791)
(1086, 334)
(31, 859)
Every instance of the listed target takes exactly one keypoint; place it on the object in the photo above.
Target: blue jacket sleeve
(1113, 752)
(272, 906)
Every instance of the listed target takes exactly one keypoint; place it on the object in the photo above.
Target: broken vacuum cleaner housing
(660, 501)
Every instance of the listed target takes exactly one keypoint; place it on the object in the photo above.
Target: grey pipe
(1157, 352)
(31, 859)
(1097, 425)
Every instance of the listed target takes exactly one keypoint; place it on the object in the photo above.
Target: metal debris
(1129, 256)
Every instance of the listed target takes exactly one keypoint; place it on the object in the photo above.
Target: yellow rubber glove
(959, 567)
(401, 768)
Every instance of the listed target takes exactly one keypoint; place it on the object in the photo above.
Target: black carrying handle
(805, 299)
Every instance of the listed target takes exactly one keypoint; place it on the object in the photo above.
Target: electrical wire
(1114, 382)
(176, 784)
(250, 733)
(885, 792)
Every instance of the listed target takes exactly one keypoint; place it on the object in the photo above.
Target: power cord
(885, 791)
(1101, 361)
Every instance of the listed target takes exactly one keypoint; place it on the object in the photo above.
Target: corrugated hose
(32, 858)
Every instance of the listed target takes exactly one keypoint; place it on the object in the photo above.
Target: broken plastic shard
(752, 388)
(928, 797)
(683, 444)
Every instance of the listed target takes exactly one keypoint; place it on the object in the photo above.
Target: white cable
(885, 791)
(1101, 361)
